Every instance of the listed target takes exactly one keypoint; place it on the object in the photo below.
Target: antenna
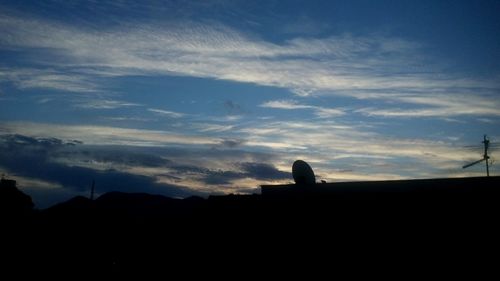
(486, 157)
(92, 190)
(302, 173)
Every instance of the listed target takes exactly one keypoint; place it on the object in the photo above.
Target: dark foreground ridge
(315, 228)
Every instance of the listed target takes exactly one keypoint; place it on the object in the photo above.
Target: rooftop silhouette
(126, 232)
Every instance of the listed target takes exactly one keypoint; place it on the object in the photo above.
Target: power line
(486, 157)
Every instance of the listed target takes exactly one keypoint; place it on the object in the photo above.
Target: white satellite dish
(302, 173)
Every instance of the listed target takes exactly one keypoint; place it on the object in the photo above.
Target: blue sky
(213, 97)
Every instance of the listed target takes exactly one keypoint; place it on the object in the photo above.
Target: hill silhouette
(292, 227)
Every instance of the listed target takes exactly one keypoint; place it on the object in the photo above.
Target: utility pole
(486, 157)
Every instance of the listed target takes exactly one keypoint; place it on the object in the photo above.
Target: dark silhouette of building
(13, 201)
(308, 228)
(419, 189)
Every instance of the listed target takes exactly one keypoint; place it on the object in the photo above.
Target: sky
(186, 98)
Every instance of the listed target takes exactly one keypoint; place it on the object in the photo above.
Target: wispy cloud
(356, 66)
(321, 112)
(105, 104)
(106, 135)
(209, 127)
(285, 104)
(129, 118)
(439, 106)
(171, 114)
(486, 120)
(26, 182)
(48, 78)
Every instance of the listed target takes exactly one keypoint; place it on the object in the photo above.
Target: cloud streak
(105, 104)
(49, 78)
(102, 135)
(167, 113)
(320, 112)
(363, 67)
(439, 106)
